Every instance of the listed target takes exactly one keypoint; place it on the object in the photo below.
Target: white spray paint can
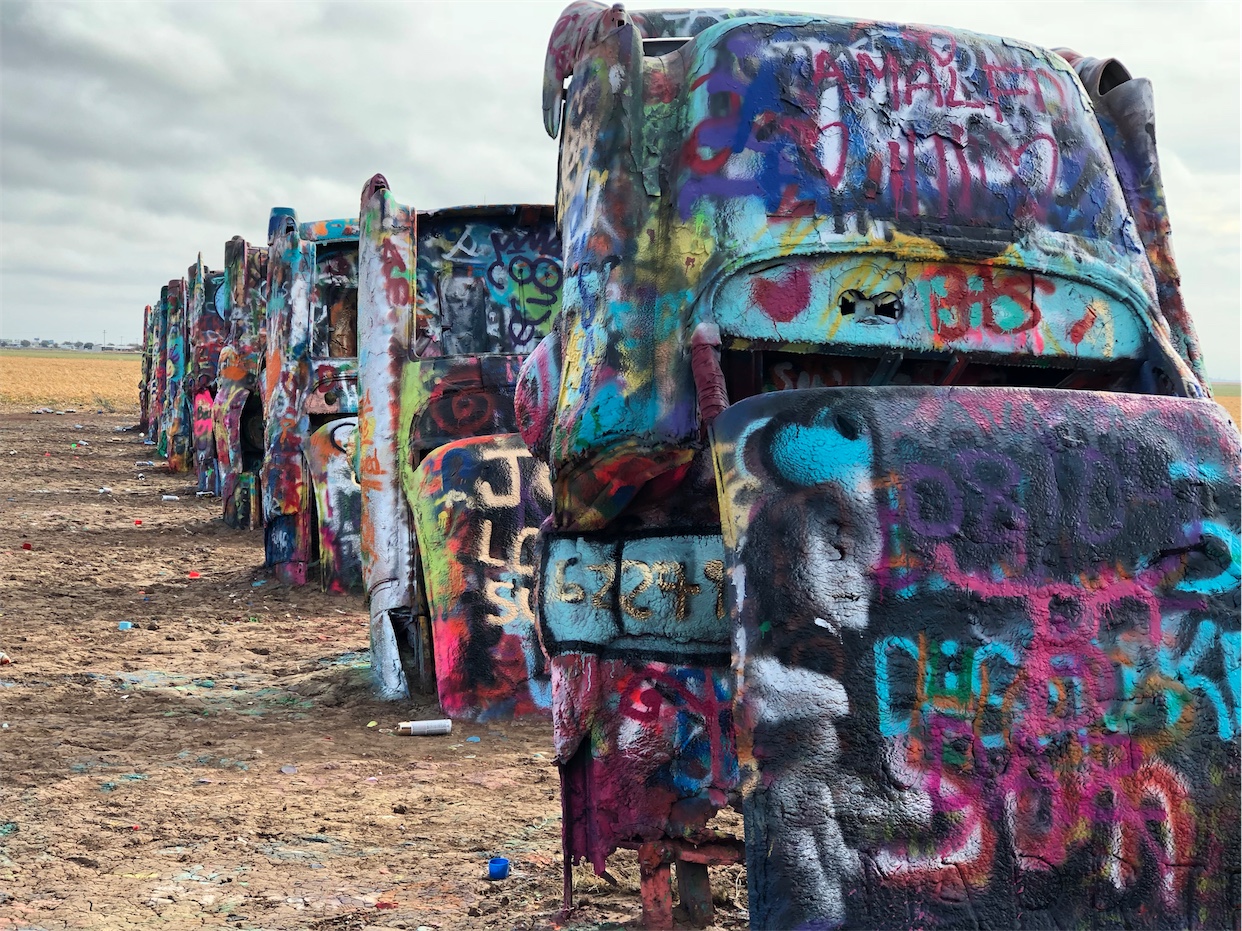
(426, 728)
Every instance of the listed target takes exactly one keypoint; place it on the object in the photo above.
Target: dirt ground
(221, 763)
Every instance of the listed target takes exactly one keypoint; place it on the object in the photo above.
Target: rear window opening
(751, 372)
(653, 48)
(335, 301)
(253, 441)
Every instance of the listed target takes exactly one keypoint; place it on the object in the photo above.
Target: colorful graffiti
(385, 302)
(237, 409)
(450, 301)
(330, 455)
(206, 326)
(176, 440)
(311, 312)
(157, 336)
(634, 624)
(144, 382)
(811, 183)
(986, 637)
(477, 506)
(753, 202)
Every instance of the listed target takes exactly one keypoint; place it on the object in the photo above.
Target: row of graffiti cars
(838, 447)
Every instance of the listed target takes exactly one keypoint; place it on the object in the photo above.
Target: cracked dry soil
(216, 764)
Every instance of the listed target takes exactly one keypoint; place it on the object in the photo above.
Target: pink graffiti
(1070, 774)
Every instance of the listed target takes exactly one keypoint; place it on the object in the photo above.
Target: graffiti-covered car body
(176, 434)
(237, 408)
(956, 553)
(157, 338)
(450, 303)
(311, 498)
(207, 327)
(144, 380)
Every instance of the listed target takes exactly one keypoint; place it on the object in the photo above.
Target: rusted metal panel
(989, 648)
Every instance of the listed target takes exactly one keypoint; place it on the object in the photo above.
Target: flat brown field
(1230, 398)
(35, 378)
(216, 766)
(222, 764)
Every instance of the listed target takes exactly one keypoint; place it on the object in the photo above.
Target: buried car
(237, 408)
(311, 498)
(206, 324)
(144, 381)
(450, 303)
(175, 439)
(873, 381)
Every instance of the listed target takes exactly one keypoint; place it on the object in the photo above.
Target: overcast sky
(134, 135)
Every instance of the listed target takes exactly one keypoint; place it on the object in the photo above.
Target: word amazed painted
(856, 189)
(991, 656)
(477, 512)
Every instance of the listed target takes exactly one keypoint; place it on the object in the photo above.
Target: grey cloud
(135, 134)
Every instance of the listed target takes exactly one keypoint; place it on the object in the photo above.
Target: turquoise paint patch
(817, 453)
(659, 594)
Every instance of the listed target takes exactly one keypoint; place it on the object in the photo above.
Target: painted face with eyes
(463, 308)
(804, 580)
(820, 538)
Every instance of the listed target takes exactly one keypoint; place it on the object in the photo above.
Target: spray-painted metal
(176, 439)
(144, 382)
(157, 339)
(1126, 111)
(237, 409)
(1012, 617)
(450, 303)
(757, 202)
(206, 327)
(311, 381)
